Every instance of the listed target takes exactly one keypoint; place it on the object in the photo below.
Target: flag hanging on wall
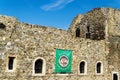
(63, 63)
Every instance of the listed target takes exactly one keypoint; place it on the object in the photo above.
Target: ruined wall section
(75, 24)
(93, 25)
(113, 21)
(102, 22)
(94, 20)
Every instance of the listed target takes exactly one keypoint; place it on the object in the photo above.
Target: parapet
(10, 23)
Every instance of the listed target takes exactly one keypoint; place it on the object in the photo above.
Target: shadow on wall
(94, 32)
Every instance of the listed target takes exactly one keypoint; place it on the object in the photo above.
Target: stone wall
(114, 54)
(28, 42)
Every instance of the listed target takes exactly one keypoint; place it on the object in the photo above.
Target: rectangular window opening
(10, 63)
(115, 76)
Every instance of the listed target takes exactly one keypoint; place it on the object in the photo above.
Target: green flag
(63, 63)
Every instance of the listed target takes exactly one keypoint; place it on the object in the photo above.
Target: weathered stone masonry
(98, 41)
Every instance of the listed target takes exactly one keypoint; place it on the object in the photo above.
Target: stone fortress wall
(27, 43)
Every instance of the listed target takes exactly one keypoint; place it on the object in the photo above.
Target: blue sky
(55, 13)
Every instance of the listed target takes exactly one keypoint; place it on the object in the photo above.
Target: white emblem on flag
(63, 61)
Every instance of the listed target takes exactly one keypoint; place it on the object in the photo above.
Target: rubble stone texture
(28, 42)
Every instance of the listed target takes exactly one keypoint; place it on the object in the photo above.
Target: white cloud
(56, 5)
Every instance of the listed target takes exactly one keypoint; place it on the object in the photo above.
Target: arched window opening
(77, 32)
(82, 67)
(88, 29)
(2, 26)
(98, 67)
(115, 76)
(38, 66)
(88, 32)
